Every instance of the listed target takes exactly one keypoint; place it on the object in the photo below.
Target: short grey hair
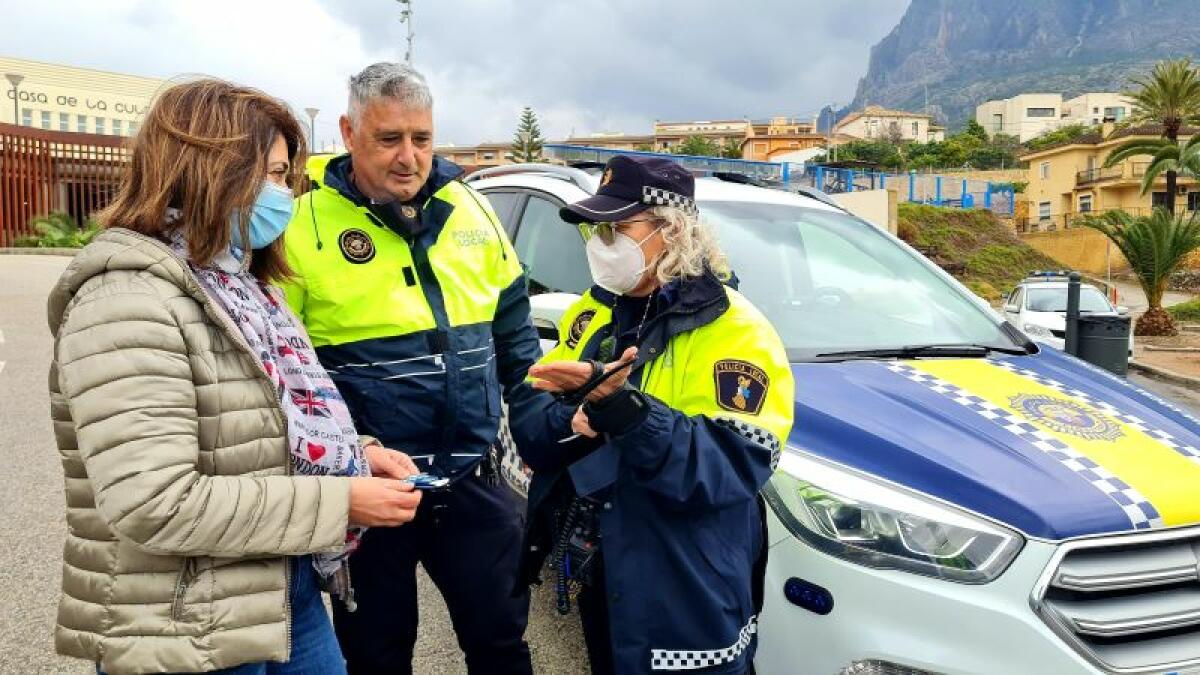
(385, 79)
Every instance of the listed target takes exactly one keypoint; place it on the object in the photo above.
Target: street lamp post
(312, 123)
(406, 17)
(15, 80)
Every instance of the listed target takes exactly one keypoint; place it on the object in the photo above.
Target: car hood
(1045, 443)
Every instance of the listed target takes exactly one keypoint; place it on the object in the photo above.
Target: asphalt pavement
(31, 499)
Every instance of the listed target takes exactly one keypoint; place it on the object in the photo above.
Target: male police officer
(417, 305)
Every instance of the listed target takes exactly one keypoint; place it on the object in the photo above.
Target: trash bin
(1104, 341)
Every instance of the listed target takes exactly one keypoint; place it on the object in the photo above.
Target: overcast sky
(585, 66)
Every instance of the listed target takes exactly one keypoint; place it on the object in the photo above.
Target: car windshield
(830, 282)
(1055, 300)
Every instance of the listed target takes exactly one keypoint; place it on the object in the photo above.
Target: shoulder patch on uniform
(741, 386)
(356, 246)
(578, 327)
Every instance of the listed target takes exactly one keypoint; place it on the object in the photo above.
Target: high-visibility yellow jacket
(680, 526)
(423, 332)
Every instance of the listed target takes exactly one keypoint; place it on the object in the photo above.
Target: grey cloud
(636, 59)
(584, 65)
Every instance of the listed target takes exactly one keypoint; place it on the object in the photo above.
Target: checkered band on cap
(672, 659)
(660, 197)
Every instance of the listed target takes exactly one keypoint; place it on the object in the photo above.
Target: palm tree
(1155, 247)
(1169, 97)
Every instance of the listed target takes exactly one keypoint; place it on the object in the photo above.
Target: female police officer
(644, 498)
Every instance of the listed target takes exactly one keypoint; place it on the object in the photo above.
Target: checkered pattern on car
(660, 197)
(1107, 408)
(512, 469)
(755, 434)
(667, 659)
(1141, 512)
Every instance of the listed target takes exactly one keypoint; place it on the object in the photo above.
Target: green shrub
(58, 230)
(1187, 311)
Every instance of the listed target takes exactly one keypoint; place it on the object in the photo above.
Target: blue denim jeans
(315, 649)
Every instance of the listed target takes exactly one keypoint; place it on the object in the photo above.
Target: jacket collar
(688, 304)
(337, 177)
(435, 211)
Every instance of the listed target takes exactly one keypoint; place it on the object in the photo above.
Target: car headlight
(872, 523)
(1037, 331)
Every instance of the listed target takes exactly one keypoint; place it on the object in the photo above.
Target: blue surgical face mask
(269, 216)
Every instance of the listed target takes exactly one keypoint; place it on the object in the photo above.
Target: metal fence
(920, 188)
(1071, 220)
(45, 171)
(780, 173)
(911, 187)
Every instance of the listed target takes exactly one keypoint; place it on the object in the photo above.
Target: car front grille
(1131, 603)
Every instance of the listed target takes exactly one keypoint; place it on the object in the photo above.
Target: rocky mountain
(952, 55)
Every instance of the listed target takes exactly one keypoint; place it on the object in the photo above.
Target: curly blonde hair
(689, 246)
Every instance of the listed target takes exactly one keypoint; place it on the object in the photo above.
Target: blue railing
(920, 188)
(935, 189)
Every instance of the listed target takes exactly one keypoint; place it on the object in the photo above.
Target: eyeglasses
(607, 231)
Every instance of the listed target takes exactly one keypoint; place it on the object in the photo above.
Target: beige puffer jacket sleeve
(124, 370)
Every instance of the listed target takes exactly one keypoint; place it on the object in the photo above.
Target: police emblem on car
(1066, 417)
(578, 327)
(741, 386)
(356, 246)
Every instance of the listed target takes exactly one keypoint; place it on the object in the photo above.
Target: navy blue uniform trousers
(468, 539)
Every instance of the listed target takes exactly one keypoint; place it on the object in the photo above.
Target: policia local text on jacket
(679, 523)
(420, 314)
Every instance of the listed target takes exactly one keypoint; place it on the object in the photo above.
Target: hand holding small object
(568, 377)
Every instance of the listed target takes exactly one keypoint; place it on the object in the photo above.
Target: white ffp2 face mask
(617, 267)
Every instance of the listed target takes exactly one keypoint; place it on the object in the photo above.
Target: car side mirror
(1011, 308)
(1122, 310)
(547, 311)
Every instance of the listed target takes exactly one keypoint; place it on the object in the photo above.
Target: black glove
(619, 412)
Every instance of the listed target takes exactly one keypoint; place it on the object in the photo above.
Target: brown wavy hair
(203, 149)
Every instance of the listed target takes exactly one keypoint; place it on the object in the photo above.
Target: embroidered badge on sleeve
(741, 386)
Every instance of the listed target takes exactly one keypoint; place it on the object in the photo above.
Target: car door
(507, 205)
(551, 248)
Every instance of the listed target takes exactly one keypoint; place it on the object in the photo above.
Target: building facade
(1028, 116)
(56, 97)
(1069, 180)
(479, 156)
(613, 141)
(877, 123)
(783, 139)
(668, 136)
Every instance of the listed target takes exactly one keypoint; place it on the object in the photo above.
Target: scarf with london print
(320, 431)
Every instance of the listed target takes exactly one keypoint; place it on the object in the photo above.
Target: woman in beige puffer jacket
(182, 504)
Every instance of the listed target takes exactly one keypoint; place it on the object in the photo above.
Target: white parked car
(1038, 306)
(953, 499)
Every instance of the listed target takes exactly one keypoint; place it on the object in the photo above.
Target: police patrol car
(1038, 306)
(954, 498)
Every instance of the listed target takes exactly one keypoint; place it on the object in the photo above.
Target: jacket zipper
(186, 574)
(219, 315)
